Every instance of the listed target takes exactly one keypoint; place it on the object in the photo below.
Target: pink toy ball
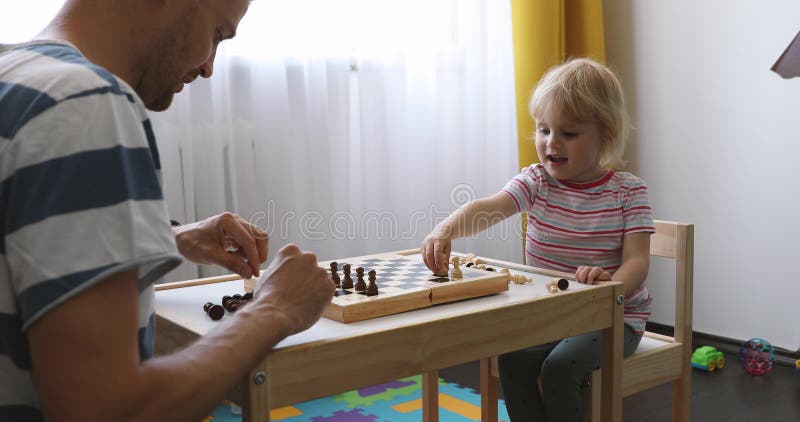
(756, 356)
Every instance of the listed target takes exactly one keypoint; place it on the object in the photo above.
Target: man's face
(187, 48)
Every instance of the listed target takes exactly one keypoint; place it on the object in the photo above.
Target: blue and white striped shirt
(80, 199)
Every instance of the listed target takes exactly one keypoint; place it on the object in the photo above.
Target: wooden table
(332, 357)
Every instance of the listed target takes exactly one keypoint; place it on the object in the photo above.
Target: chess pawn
(361, 286)
(520, 279)
(213, 311)
(556, 284)
(226, 302)
(456, 272)
(347, 283)
(335, 274)
(372, 289)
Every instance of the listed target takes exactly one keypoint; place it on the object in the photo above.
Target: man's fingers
(262, 246)
(247, 244)
(233, 262)
(260, 236)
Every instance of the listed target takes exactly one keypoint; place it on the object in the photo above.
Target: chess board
(405, 283)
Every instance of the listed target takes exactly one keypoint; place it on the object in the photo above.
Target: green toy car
(708, 358)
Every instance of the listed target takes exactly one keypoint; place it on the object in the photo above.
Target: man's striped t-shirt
(571, 224)
(80, 199)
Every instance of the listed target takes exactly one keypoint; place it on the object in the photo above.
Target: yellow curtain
(547, 32)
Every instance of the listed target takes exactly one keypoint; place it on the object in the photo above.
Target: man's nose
(207, 68)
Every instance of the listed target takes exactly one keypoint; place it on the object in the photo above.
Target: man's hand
(225, 239)
(295, 287)
(591, 275)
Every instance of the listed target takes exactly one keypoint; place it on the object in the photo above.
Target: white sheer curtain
(349, 127)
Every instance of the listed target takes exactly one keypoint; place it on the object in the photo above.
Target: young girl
(583, 218)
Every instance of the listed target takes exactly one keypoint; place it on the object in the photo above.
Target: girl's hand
(435, 251)
(591, 275)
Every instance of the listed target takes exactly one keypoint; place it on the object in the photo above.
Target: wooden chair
(658, 359)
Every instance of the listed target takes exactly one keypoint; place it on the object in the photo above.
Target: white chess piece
(456, 272)
(521, 279)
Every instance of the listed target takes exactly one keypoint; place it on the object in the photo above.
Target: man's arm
(85, 352)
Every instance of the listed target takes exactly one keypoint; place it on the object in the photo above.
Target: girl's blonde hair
(586, 91)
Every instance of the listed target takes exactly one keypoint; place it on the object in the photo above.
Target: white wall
(717, 141)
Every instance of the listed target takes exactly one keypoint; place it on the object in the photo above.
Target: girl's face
(569, 150)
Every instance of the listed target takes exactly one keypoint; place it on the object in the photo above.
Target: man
(85, 231)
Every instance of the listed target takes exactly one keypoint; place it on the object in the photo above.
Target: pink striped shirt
(571, 224)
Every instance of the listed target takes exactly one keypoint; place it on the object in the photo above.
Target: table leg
(611, 375)
(489, 382)
(256, 406)
(430, 396)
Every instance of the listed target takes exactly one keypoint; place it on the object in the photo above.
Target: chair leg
(430, 396)
(489, 383)
(681, 399)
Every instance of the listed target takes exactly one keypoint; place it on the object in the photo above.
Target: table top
(185, 307)
(320, 361)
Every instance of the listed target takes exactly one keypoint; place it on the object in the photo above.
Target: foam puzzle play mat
(396, 401)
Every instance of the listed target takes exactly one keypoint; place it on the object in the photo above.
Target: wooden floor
(726, 395)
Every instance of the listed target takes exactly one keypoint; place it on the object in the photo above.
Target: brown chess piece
(372, 289)
(360, 284)
(213, 311)
(227, 301)
(335, 274)
(347, 283)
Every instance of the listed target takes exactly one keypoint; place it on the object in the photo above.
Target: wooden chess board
(405, 283)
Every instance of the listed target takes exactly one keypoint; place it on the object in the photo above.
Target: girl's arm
(473, 217)
(632, 272)
(635, 261)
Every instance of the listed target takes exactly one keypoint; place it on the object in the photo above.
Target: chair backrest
(676, 240)
(670, 361)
